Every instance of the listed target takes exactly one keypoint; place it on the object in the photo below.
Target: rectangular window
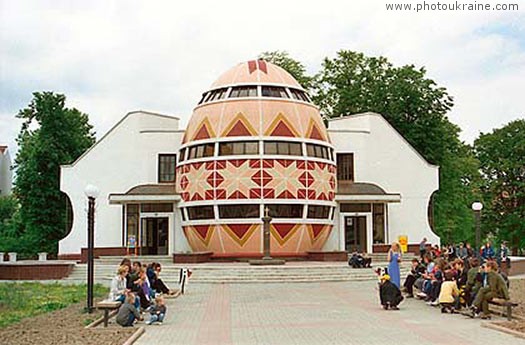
(282, 148)
(318, 151)
(299, 95)
(355, 208)
(165, 207)
(239, 211)
(200, 212)
(243, 91)
(132, 220)
(199, 151)
(274, 91)
(345, 166)
(182, 155)
(285, 210)
(318, 212)
(379, 223)
(183, 214)
(239, 148)
(166, 171)
(202, 98)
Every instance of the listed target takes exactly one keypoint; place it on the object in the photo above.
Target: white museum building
(255, 144)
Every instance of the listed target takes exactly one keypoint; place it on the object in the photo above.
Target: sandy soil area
(65, 326)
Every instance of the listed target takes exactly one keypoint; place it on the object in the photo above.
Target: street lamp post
(266, 234)
(92, 193)
(477, 207)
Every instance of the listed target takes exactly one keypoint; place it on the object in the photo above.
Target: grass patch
(21, 300)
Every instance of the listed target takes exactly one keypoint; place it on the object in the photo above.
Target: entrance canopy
(359, 191)
(146, 193)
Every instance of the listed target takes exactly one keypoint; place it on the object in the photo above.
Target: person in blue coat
(394, 258)
(487, 253)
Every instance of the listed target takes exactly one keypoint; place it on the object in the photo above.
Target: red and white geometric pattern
(256, 179)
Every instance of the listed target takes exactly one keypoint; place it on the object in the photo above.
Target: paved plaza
(309, 313)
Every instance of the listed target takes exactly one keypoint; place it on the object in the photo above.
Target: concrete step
(217, 273)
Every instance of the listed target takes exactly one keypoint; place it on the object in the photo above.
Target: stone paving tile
(309, 313)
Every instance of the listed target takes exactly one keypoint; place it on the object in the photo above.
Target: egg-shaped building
(256, 143)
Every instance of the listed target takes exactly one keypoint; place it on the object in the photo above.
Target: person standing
(503, 259)
(423, 247)
(394, 258)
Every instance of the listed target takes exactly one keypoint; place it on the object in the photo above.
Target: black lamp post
(266, 234)
(92, 193)
(477, 207)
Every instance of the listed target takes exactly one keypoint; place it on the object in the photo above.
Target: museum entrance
(355, 233)
(154, 236)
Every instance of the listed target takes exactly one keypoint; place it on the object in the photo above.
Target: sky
(113, 57)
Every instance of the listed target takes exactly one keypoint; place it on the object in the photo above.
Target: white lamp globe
(91, 191)
(477, 206)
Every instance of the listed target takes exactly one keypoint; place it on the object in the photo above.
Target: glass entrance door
(355, 233)
(154, 236)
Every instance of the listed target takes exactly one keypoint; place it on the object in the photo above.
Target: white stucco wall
(6, 174)
(125, 157)
(383, 157)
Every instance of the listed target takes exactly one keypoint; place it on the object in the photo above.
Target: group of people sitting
(141, 290)
(457, 283)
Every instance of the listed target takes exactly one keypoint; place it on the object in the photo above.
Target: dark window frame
(171, 175)
(243, 91)
(207, 212)
(345, 166)
(284, 148)
(318, 212)
(317, 151)
(274, 91)
(240, 146)
(279, 210)
(201, 151)
(239, 211)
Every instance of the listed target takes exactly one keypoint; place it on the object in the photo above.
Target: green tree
(51, 135)
(502, 157)
(417, 107)
(292, 66)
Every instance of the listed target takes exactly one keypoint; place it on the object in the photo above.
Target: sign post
(403, 243)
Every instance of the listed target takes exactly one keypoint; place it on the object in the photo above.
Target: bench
(107, 306)
(506, 304)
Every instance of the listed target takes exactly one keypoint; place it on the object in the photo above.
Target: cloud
(111, 57)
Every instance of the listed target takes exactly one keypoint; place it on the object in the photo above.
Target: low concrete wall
(517, 265)
(327, 256)
(35, 270)
(191, 258)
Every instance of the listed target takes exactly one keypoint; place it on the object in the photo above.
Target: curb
(135, 336)
(503, 329)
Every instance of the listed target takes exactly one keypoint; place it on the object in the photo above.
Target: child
(127, 312)
(449, 293)
(158, 311)
(389, 293)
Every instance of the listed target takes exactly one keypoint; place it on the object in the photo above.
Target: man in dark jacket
(389, 293)
(493, 287)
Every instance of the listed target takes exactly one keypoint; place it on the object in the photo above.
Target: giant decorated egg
(256, 145)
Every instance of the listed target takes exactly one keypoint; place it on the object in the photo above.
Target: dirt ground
(65, 326)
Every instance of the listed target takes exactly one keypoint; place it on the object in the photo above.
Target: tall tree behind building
(502, 157)
(417, 107)
(51, 135)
